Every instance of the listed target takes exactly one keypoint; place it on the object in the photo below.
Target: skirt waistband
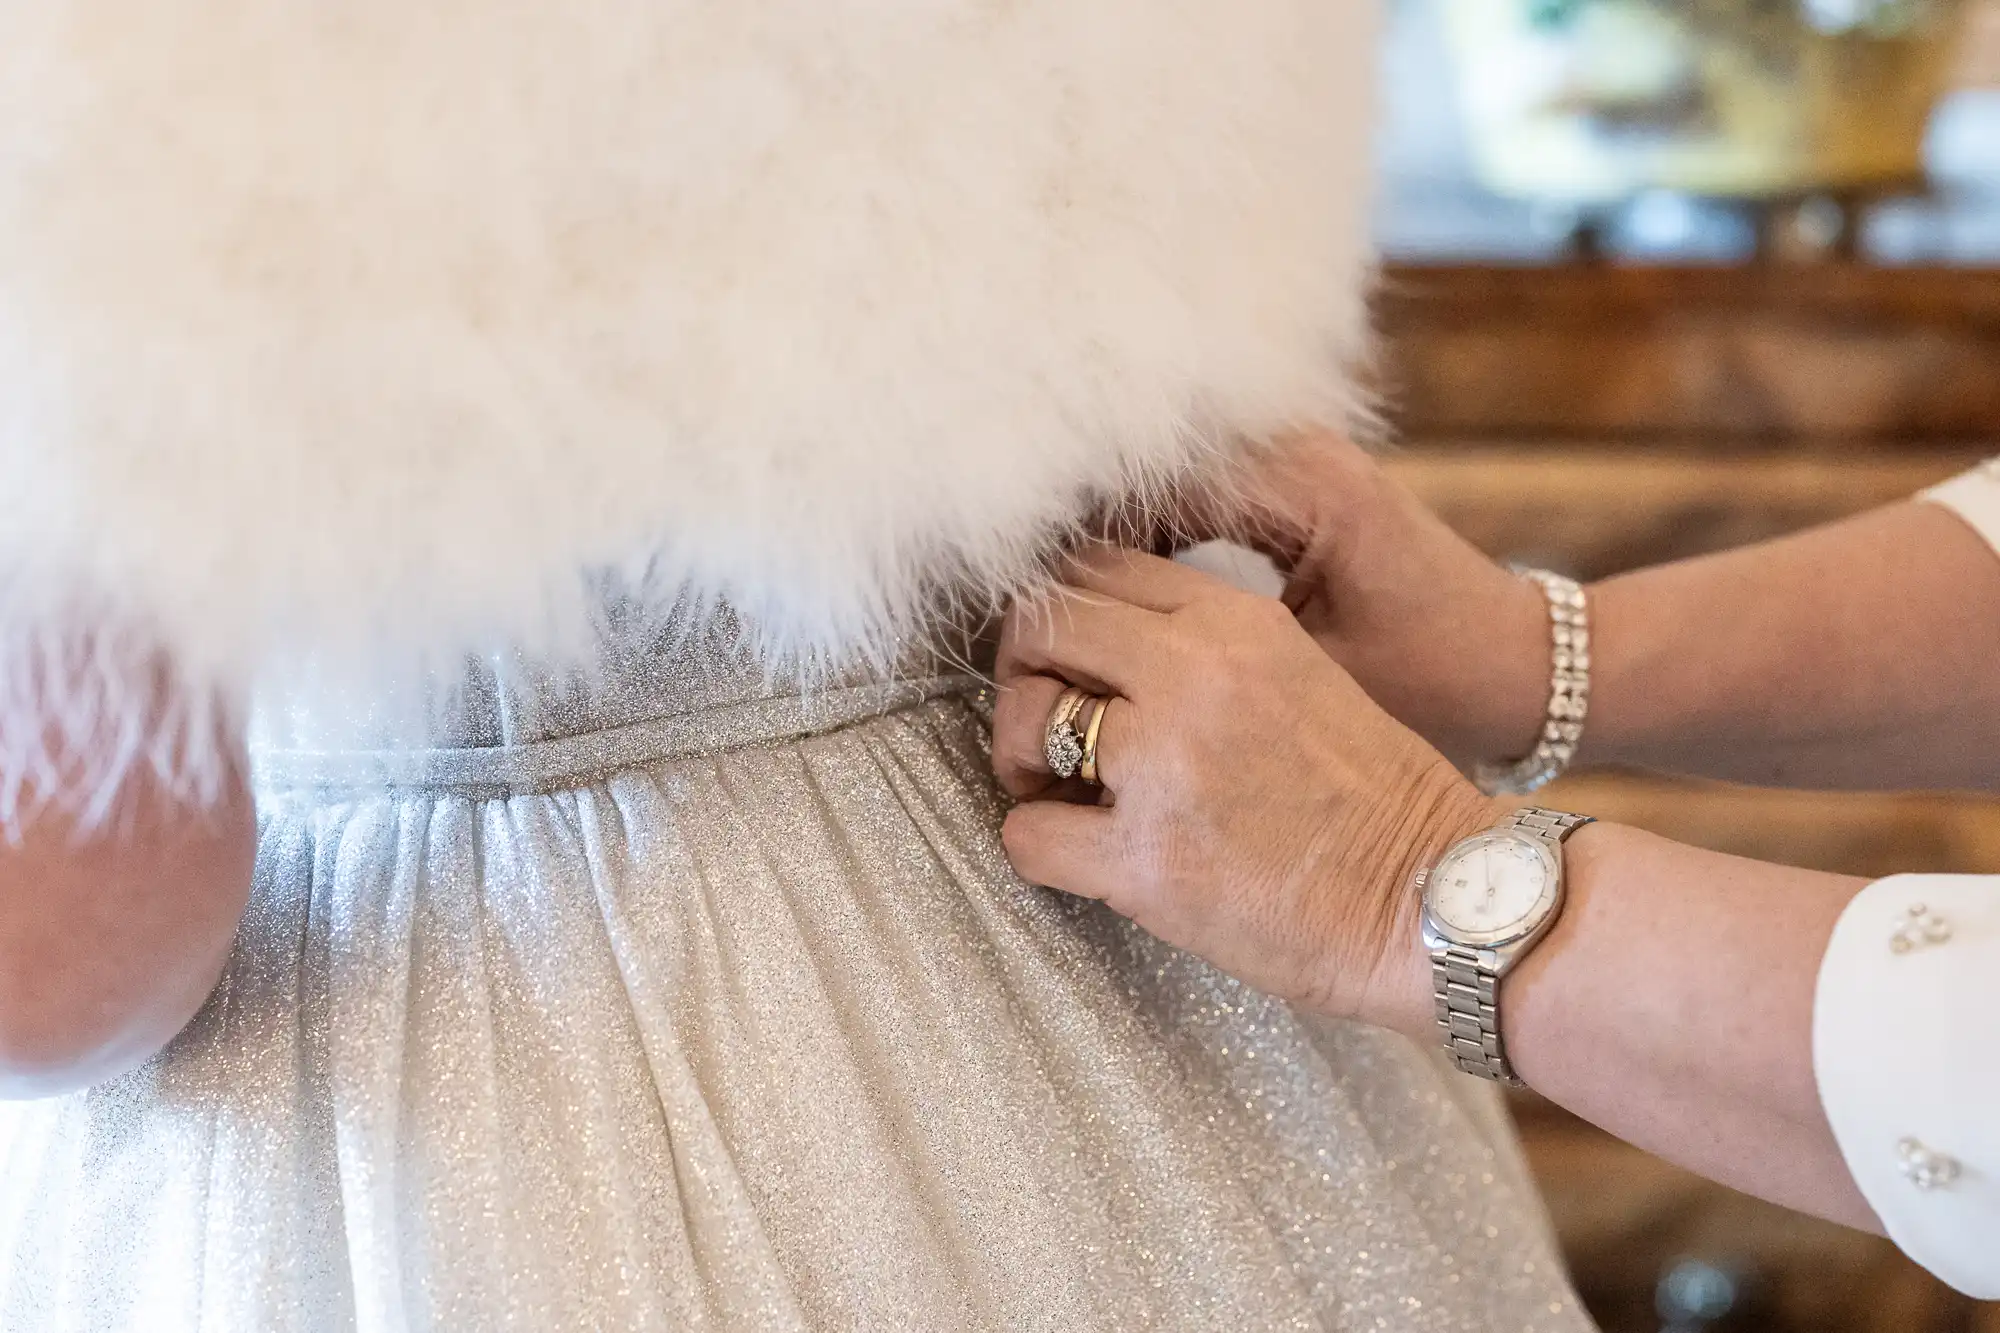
(570, 761)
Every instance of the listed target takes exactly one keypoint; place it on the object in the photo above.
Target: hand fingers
(1247, 507)
(1062, 846)
(1267, 503)
(1103, 645)
(1020, 735)
(1299, 494)
(1117, 739)
(1143, 580)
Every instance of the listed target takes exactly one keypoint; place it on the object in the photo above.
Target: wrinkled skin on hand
(1258, 809)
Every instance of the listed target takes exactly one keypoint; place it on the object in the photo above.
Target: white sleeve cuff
(1975, 497)
(1906, 1046)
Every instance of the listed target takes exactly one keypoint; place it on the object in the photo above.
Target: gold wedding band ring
(1087, 770)
(1070, 744)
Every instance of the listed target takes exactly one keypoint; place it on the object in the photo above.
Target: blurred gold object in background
(1595, 101)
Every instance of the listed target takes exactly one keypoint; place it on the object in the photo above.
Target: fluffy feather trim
(354, 331)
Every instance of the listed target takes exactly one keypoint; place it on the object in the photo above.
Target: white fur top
(356, 329)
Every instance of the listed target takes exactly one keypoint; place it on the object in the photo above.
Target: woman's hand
(1258, 809)
(1446, 640)
(1753, 665)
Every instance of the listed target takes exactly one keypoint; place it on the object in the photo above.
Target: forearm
(1861, 654)
(112, 938)
(1672, 1006)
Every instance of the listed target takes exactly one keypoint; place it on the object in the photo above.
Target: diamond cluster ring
(1071, 741)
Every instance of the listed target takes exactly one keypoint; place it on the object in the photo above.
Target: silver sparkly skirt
(675, 999)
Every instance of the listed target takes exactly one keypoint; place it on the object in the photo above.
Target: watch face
(1493, 888)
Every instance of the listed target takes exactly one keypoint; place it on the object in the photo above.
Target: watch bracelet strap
(1552, 825)
(1466, 987)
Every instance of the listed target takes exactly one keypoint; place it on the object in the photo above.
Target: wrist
(1516, 692)
(1615, 636)
(1444, 812)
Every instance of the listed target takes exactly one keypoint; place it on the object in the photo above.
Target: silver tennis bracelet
(1569, 695)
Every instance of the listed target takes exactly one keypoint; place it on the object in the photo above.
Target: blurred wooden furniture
(1594, 419)
(1714, 357)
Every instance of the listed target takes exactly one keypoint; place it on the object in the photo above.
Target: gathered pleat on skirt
(750, 1033)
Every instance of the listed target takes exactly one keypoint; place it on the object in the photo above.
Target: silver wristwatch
(1487, 901)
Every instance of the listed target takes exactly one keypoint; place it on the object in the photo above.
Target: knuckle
(1271, 613)
(1189, 652)
(1153, 858)
(1256, 619)
(1181, 770)
(1140, 857)
(1018, 836)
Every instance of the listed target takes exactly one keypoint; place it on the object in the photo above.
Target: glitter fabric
(670, 999)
